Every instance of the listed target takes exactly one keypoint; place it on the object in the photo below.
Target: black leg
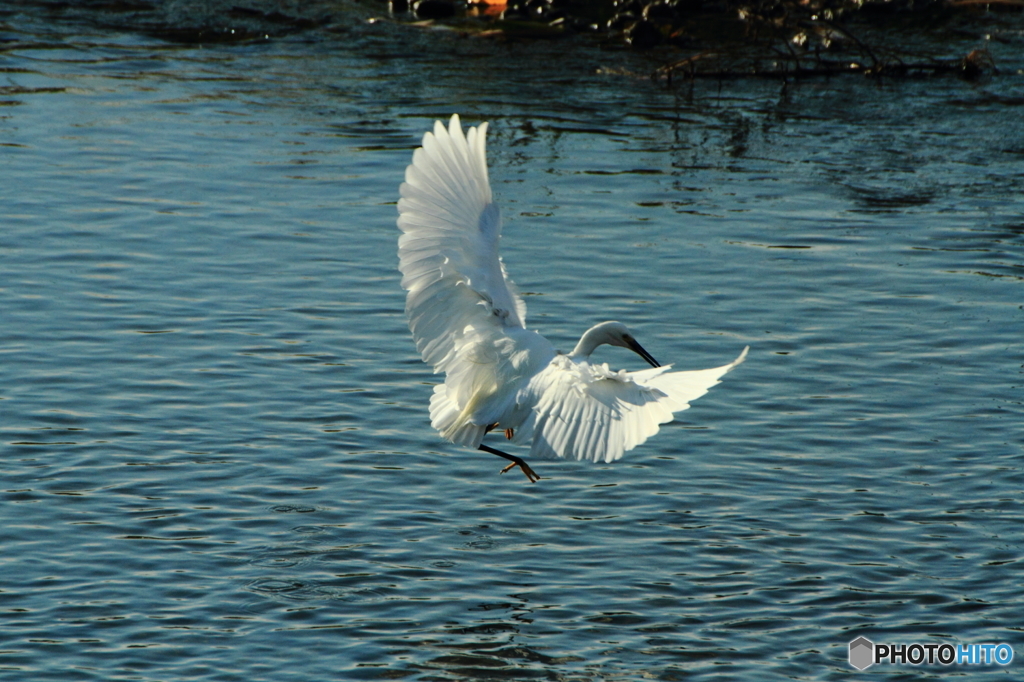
(516, 461)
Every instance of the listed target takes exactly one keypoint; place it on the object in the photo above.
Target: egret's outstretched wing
(588, 412)
(448, 253)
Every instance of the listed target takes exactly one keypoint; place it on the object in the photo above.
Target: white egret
(468, 321)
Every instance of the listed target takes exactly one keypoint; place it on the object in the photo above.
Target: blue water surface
(215, 457)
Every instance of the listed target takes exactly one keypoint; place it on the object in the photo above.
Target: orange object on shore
(487, 7)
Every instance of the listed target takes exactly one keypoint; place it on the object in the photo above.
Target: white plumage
(469, 322)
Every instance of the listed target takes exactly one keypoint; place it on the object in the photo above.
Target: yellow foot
(509, 433)
(530, 473)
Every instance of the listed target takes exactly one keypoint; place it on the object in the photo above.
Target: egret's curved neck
(591, 339)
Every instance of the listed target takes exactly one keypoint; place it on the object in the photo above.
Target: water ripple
(218, 463)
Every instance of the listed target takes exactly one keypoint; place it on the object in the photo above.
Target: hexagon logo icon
(862, 653)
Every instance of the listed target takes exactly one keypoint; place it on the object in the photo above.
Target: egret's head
(613, 334)
(620, 336)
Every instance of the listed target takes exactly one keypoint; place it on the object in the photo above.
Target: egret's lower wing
(682, 388)
(587, 412)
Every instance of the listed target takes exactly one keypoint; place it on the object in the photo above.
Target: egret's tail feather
(451, 422)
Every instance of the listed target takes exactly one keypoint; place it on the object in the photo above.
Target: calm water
(216, 459)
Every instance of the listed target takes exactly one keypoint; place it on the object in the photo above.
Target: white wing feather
(448, 253)
(589, 412)
(464, 312)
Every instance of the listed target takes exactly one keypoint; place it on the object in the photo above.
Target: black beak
(639, 350)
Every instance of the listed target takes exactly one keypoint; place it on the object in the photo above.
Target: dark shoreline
(679, 39)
